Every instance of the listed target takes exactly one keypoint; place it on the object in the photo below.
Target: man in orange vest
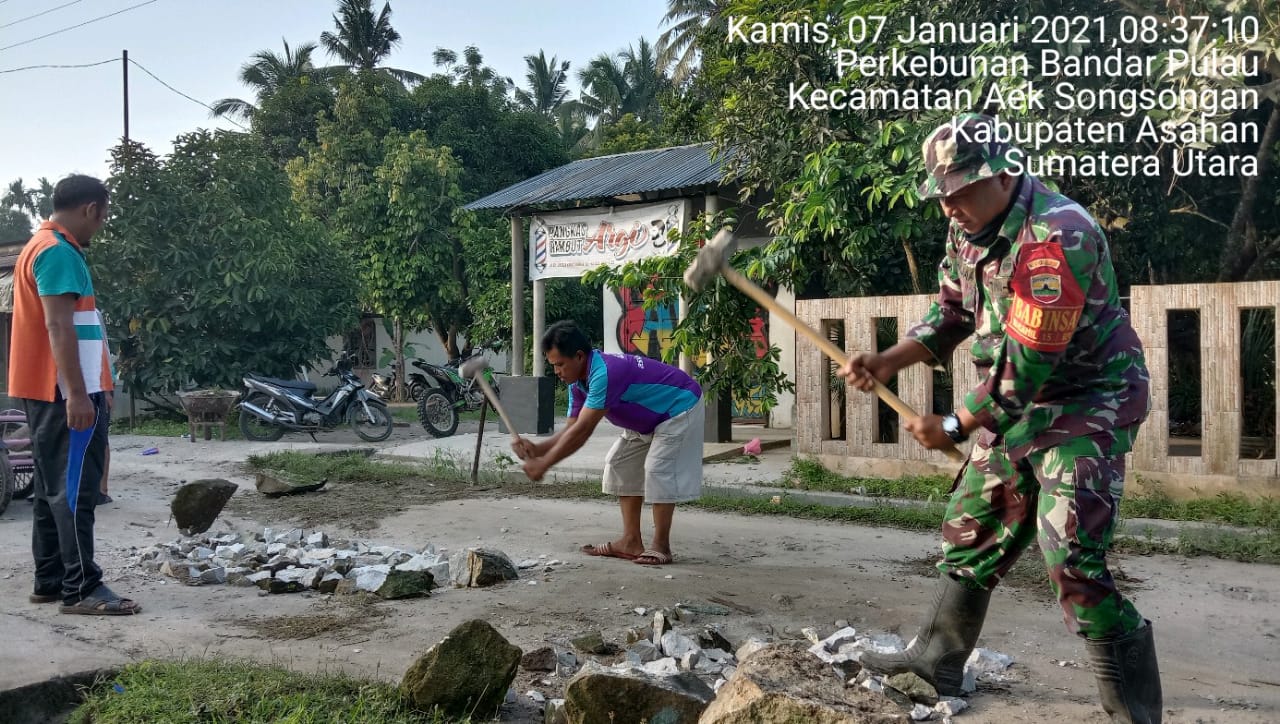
(60, 369)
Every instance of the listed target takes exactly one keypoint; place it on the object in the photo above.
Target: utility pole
(124, 66)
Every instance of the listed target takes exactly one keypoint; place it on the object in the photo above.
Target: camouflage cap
(960, 152)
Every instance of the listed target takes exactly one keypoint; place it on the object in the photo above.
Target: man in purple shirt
(658, 457)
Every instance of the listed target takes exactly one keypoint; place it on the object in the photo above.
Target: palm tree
(613, 86)
(678, 44)
(36, 201)
(362, 41)
(547, 79)
(471, 71)
(267, 72)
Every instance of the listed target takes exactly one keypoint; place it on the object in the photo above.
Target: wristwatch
(951, 426)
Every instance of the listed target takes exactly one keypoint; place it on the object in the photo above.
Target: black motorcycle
(271, 407)
(385, 385)
(452, 394)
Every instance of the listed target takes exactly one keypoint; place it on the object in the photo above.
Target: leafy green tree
(290, 116)
(394, 199)
(267, 73)
(14, 225)
(362, 40)
(628, 134)
(206, 271)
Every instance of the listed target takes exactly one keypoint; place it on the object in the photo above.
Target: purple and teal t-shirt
(636, 393)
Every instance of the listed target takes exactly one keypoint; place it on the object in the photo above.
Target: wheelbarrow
(206, 409)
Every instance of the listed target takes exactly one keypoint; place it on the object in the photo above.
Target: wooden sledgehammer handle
(495, 404)
(749, 288)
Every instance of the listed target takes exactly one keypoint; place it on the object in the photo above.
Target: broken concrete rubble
(300, 560)
(784, 683)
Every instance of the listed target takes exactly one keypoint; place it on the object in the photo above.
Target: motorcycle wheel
(6, 482)
(437, 414)
(255, 429)
(417, 390)
(24, 483)
(375, 430)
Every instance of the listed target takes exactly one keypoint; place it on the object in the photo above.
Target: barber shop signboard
(566, 244)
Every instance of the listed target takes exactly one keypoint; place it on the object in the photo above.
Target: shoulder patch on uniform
(1047, 301)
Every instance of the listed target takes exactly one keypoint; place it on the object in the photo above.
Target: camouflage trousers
(1066, 496)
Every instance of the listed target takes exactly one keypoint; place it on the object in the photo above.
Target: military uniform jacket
(1059, 355)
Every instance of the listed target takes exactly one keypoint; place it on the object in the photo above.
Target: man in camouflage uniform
(1028, 272)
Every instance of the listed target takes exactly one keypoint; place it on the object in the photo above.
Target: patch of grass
(231, 691)
(810, 475)
(349, 468)
(168, 427)
(1243, 547)
(1227, 508)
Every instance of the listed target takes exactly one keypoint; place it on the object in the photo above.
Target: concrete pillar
(539, 325)
(517, 296)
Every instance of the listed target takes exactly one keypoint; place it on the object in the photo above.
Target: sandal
(102, 602)
(44, 597)
(605, 550)
(653, 558)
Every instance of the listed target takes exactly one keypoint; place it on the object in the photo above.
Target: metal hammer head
(710, 260)
(473, 366)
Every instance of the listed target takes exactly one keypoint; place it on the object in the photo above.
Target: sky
(57, 121)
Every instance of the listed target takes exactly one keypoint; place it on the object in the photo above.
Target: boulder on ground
(466, 674)
(197, 504)
(597, 694)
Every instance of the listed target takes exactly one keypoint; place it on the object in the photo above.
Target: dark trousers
(68, 472)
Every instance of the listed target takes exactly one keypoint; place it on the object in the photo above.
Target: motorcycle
(272, 406)
(385, 385)
(440, 406)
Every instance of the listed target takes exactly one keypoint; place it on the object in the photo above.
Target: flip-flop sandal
(605, 550)
(44, 597)
(653, 558)
(102, 602)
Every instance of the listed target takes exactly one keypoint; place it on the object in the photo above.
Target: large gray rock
(275, 482)
(466, 674)
(197, 504)
(786, 684)
(405, 584)
(604, 696)
(476, 567)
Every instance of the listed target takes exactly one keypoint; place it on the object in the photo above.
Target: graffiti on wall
(648, 332)
(640, 331)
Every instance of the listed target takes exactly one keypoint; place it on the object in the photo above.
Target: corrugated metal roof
(609, 176)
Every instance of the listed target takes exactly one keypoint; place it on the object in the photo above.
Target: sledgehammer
(474, 368)
(712, 260)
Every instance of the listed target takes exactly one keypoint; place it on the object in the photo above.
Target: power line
(81, 25)
(184, 95)
(46, 12)
(83, 65)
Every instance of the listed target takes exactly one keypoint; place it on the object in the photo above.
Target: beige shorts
(665, 467)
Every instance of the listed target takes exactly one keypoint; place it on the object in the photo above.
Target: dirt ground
(1217, 623)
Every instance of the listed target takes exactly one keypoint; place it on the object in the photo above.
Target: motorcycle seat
(301, 385)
